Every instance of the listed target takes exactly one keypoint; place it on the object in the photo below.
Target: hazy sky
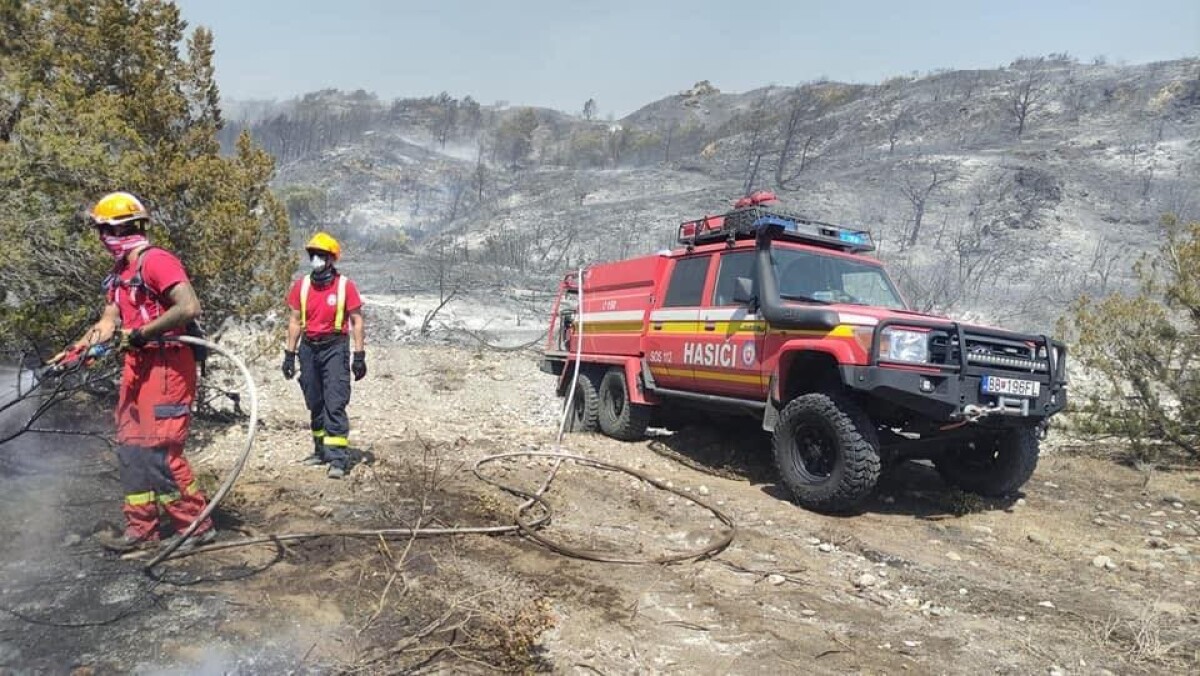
(626, 53)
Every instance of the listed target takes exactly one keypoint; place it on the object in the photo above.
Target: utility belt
(325, 339)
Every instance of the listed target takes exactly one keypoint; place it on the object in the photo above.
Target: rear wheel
(826, 452)
(994, 465)
(620, 418)
(585, 405)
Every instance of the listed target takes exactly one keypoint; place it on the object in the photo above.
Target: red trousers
(158, 386)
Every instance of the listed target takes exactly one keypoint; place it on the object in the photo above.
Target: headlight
(904, 345)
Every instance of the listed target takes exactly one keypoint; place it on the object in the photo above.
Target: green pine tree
(103, 95)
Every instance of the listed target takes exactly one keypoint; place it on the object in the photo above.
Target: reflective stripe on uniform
(337, 441)
(305, 284)
(191, 489)
(318, 434)
(339, 315)
(162, 411)
(139, 499)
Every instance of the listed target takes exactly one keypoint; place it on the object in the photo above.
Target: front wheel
(826, 452)
(993, 465)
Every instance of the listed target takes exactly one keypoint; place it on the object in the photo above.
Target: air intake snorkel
(777, 314)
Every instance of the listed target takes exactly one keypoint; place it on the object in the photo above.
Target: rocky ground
(1095, 569)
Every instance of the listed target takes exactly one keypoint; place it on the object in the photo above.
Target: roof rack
(744, 224)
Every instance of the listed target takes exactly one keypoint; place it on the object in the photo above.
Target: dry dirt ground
(1095, 569)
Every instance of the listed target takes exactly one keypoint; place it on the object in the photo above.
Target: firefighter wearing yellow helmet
(149, 301)
(326, 316)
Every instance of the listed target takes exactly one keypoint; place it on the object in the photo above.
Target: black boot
(318, 455)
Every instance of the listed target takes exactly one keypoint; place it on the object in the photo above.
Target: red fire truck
(784, 318)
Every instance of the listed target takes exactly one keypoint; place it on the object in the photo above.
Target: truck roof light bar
(746, 222)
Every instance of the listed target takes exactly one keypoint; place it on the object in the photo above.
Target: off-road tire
(844, 440)
(993, 466)
(585, 406)
(620, 418)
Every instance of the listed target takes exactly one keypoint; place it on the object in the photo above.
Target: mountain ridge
(1020, 187)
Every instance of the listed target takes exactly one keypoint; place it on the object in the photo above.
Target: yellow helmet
(324, 242)
(117, 208)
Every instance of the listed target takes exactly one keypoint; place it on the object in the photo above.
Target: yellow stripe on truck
(668, 371)
(734, 328)
(752, 378)
(719, 328)
(839, 331)
(748, 328)
(611, 327)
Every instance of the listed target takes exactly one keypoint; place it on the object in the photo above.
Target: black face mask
(324, 276)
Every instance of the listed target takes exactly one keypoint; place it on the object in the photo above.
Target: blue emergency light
(747, 222)
(816, 232)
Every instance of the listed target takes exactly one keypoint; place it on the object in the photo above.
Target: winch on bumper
(1028, 375)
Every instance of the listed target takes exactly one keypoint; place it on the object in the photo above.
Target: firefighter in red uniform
(149, 299)
(326, 315)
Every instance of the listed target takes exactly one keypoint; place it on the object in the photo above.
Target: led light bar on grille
(1008, 362)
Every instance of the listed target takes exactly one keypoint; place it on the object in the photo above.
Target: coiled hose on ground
(528, 527)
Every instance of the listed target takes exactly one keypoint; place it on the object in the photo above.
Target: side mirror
(743, 292)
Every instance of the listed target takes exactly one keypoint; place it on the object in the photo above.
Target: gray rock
(825, 547)
(866, 580)
(1033, 536)
(1170, 608)
(774, 579)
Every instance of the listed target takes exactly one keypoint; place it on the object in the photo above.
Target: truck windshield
(808, 276)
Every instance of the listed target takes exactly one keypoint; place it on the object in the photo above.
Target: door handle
(710, 326)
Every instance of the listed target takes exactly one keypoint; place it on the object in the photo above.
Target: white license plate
(1012, 387)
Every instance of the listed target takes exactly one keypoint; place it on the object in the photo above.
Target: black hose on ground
(523, 525)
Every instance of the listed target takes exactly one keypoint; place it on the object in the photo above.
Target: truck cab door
(735, 332)
(674, 321)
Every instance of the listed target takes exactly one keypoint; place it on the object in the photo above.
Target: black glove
(130, 340)
(359, 366)
(289, 364)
